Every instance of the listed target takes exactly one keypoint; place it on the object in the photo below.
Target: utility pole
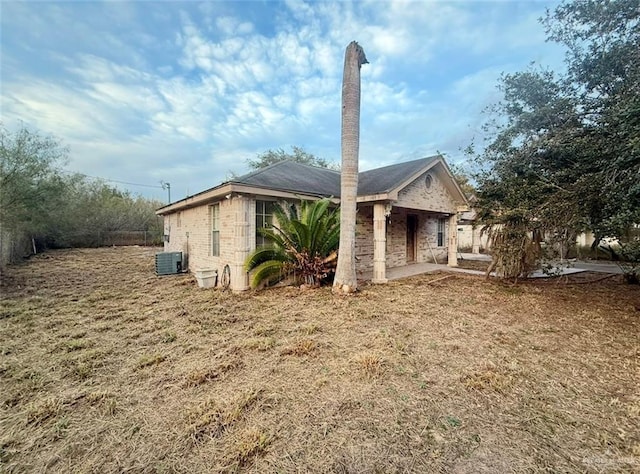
(167, 186)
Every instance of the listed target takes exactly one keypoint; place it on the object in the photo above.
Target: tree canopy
(297, 154)
(29, 178)
(564, 148)
(45, 206)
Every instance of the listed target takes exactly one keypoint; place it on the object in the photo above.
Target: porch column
(379, 244)
(475, 239)
(452, 256)
(239, 277)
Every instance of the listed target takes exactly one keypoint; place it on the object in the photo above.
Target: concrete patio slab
(406, 271)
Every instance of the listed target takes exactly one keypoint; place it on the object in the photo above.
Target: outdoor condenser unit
(168, 263)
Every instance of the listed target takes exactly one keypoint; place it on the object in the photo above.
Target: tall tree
(297, 154)
(346, 278)
(28, 163)
(564, 155)
(42, 206)
(29, 187)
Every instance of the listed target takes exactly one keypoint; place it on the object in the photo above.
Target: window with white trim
(214, 216)
(264, 218)
(441, 228)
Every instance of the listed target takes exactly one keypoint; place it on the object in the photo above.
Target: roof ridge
(276, 164)
(253, 173)
(404, 163)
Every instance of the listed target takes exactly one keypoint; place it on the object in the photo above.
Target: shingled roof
(383, 180)
(294, 177)
(290, 177)
(299, 178)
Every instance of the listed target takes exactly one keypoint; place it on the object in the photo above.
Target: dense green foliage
(30, 181)
(92, 212)
(42, 205)
(297, 154)
(564, 149)
(303, 245)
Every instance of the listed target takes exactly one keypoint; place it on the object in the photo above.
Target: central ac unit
(168, 263)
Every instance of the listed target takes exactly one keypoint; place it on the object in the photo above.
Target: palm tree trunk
(346, 279)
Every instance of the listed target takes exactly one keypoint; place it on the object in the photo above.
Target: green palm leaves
(304, 246)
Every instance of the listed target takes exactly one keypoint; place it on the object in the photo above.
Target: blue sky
(186, 92)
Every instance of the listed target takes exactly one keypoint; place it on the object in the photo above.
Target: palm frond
(264, 254)
(305, 240)
(268, 272)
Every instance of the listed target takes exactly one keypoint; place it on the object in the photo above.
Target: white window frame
(214, 218)
(262, 218)
(441, 235)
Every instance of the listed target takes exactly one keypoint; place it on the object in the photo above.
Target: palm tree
(304, 245)
(346, 279)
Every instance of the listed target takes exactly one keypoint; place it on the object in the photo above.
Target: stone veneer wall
(364, 239)
(426, 240)
(436, 198)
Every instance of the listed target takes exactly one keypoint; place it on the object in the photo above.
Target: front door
(412, 230)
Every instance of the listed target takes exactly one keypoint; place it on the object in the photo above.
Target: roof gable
(389, 178)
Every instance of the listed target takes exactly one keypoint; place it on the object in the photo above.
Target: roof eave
(231, 187)
(452, 184)
(416, 175)
(197, 199)
(377, 197)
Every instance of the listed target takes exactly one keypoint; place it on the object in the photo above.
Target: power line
(132, 184)
(115, 180)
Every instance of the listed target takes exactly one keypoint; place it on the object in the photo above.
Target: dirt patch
(105, 367)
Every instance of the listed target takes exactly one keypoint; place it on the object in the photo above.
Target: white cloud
(232, 26)
(186, 92)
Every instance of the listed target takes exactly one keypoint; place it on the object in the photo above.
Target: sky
(186, 92)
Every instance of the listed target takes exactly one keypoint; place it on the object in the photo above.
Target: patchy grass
(150, 359)
(105, 367)
(301, 348)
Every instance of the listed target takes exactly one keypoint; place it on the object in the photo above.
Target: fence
(16, 246)
(131, 237)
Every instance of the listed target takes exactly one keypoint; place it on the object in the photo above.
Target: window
(179, 218)
(264, 218)
(441, 224)
(215, 229)
(428, 181)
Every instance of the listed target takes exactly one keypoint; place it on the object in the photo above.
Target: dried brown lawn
(105, 367)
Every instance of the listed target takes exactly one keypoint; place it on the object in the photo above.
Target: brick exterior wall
(189, 232)
(426, 238)
(435, 198)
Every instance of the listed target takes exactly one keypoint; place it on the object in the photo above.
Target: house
(470, 236)
(407, 213)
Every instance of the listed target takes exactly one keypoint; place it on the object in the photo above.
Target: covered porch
(394, 242)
